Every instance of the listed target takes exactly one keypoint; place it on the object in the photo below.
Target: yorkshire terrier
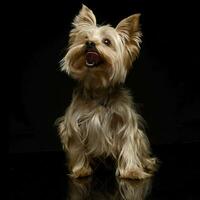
(101, 119)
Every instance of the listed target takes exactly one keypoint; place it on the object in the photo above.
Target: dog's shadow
(108, 187)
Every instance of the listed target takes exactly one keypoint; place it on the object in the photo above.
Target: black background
(164, 80)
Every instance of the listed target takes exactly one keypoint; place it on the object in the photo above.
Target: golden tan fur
(101, 119)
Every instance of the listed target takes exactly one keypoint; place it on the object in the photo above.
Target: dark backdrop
(164, 80)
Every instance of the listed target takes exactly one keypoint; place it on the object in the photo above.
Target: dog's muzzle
(92, 57)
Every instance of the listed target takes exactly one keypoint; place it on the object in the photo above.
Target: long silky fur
(101, 119)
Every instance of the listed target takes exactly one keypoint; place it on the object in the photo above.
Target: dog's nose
(90, 44)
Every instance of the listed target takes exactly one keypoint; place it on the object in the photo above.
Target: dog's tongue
(92, 58)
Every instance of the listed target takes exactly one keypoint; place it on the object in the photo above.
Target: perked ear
(129, 28)
(85, 17)
(129, 31)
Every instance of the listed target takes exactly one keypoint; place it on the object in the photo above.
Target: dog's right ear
(85, 17)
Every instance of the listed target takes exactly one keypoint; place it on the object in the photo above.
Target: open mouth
(92, 58)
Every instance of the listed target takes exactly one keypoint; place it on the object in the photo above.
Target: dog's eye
(107, 42)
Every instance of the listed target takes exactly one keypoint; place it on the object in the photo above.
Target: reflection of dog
(86, 188)
(136, 190)
(102, 120)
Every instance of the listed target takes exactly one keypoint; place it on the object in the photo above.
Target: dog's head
(100, 56)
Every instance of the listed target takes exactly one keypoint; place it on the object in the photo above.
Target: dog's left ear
(129, 31)
(85, 17)
(129, 28)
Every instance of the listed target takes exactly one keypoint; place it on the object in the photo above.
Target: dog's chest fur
(101, 118)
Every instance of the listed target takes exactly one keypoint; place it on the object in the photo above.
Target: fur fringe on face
(101, 119)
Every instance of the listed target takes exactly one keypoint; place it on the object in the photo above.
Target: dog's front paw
(83, 172)
(133, 174)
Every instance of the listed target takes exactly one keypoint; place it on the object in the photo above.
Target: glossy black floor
(43, 176)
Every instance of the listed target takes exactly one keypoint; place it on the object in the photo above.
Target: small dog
(101, 119)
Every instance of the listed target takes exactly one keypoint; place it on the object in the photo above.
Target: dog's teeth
(90, 64)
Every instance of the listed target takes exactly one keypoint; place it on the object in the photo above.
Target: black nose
(90, 44)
